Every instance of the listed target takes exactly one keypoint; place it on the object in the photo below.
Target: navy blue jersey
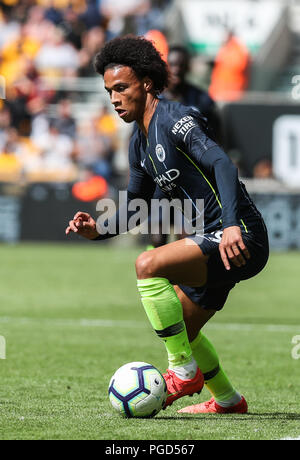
(185, 163)
(192, 96)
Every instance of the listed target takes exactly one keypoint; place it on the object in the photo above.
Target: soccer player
(184, 283)
(180, 90)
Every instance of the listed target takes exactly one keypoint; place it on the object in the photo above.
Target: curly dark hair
(137, 53)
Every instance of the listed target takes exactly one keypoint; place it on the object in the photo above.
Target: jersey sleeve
(190, 135)
(141, 186)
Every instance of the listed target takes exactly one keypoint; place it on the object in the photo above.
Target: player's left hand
(232, 248)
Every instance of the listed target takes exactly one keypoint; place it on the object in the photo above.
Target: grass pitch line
(131, 324)
(73, 322)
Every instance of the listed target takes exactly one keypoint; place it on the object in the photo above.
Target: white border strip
(290, 439)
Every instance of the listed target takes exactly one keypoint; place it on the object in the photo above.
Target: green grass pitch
(71, 316)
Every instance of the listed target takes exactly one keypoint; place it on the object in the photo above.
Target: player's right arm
(84, 225)
(140, 186)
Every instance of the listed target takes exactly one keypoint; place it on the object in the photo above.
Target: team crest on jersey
(160, 153)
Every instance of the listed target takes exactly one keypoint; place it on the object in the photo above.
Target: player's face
(127, 92)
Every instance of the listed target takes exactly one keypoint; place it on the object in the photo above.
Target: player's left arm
(213, 160)
(232, 247)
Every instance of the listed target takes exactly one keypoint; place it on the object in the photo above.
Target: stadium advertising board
(206, 22)
(286, 149)
(257, 131)
(27, 217)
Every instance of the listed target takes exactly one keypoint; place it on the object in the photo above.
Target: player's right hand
(84, 225)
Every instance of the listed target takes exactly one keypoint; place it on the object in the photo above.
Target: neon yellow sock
(165, 314)
(216, 381)
(150, 247)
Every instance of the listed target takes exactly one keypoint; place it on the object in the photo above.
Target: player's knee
(145, 265)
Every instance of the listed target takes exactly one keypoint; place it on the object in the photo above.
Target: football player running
(184, 283)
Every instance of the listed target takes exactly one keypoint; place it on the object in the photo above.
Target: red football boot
(211, 407)
(178, 388)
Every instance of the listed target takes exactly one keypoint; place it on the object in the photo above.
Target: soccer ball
(137, 390)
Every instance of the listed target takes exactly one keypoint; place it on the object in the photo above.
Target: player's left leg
(213, 296)
(225, 398)
(157, 271)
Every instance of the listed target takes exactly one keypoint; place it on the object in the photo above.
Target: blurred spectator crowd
(58, 39)
(43, 136)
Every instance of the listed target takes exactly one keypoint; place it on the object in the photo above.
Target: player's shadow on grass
(277, 415)
(250, 415)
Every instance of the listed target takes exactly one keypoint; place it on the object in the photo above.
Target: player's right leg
(157, 271)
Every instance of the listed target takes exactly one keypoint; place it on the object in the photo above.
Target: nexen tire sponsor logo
(184, 125)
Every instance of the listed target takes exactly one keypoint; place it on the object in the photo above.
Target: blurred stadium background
(61, 146)
(67, 323)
